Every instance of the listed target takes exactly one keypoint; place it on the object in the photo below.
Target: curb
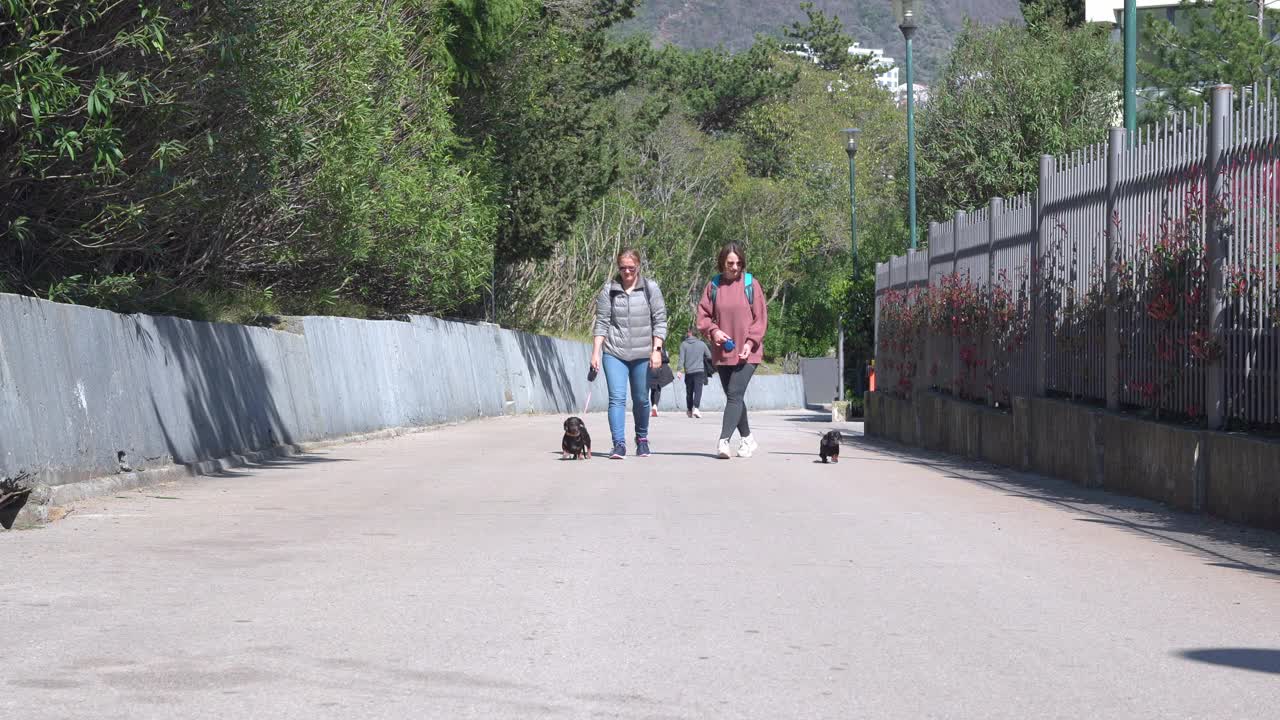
(49, 503)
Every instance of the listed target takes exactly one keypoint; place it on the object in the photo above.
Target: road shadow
(811, 417)
(1255, 659)
(242, 467)
(1215, 541)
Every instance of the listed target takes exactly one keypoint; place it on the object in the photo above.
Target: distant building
(886, 73)
(1112, 11)
(885, 68)
(921, 94)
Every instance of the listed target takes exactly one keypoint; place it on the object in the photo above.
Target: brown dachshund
(577, 441)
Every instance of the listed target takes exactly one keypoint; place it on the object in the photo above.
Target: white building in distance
(1111, 11)
(885, 68)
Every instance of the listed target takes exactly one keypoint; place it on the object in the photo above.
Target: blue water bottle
(728, 344)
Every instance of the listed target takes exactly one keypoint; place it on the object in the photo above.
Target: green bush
(165, 148)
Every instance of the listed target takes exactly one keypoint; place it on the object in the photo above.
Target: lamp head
(905, 12)
(852, 133)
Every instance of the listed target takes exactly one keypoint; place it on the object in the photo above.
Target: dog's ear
(566, 425)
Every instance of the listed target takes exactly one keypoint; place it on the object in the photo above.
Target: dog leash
(588, 402)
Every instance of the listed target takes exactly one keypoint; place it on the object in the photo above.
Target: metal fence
(1142, 272)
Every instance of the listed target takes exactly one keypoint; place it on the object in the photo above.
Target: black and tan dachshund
(829, 447)
(577, 442)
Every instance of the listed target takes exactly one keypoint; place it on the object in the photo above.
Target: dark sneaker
(642, 447)
(619, 451)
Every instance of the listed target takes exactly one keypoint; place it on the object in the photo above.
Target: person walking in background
(629, 332)
(659, 378)
(695, 356)
(732, 313)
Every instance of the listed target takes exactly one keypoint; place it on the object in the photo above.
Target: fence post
(993, 219)
(875, 319)
(1216, 253)
(1115, 146)
(1039, 247)
(930, 351)
(952, 345)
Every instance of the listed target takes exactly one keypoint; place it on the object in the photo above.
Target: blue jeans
(617, 374)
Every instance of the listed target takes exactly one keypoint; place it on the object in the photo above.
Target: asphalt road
(467, 572)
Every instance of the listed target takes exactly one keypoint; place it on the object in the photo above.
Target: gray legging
(734, 380)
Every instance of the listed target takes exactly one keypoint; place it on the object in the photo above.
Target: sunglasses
(627, 268)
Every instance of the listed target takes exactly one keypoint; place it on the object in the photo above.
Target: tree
(718, 87)
(1070, 12)
(1210, 44)
(479, 31)
(151, 154)
(823, 39)
(1009, 95)
(540, 108)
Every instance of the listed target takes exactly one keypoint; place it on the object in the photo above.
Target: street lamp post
(1130, 69)
(851, 148)
(905, 10)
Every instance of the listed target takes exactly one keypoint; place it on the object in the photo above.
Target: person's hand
(595, 360)
(746, 350)
(655, 359)
(719, 336)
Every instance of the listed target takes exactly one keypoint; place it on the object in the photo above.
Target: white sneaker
(722, 450)
(747, 447)
(696, 413)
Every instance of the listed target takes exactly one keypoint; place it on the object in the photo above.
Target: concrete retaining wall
(1233, 476)
(1243, 480)
(1064, 441)
(78, 386)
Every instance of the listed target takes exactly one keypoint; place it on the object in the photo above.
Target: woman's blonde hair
(627, 252)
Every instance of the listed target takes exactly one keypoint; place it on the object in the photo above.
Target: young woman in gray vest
(630, 329)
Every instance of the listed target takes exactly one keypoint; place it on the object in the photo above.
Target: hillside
(734, 23)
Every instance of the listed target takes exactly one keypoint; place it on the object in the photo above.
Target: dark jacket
(663, 376)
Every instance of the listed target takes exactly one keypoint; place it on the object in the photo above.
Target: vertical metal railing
(1012, 243)
(1251, 343)
(1072, 274)
(1161, 193)
(1183, 316)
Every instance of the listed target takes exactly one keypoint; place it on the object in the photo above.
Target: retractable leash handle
(591, 377)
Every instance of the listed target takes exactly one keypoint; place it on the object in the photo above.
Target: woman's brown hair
(735, 249)
(627, 252)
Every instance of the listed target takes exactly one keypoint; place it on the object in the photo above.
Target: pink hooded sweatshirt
(735, 318)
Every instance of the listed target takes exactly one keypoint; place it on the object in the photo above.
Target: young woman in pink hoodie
(732, 311)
